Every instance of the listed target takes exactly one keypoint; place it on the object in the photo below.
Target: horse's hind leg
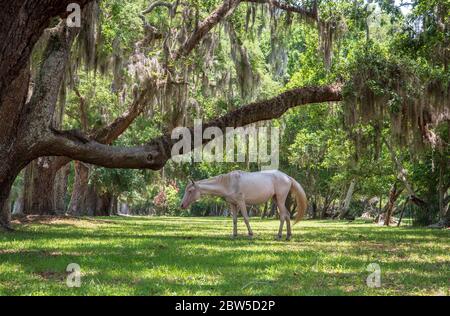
(280, 230)
(284, 216)
(288, 226)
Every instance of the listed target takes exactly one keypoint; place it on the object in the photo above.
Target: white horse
(241, 188)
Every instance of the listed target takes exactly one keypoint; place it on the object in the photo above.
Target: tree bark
(23, 22)
(78, 201)
(113, 209)
(38, 188)
(206, 25)
(403, 176)
(348, 199)
(103, 205)
(394, 194)
(9, 170)
(60, 189)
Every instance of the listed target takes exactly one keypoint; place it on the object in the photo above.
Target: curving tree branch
(221, 12)
(157, 152)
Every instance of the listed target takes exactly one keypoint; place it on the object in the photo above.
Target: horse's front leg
(243, 208)
(233, 210)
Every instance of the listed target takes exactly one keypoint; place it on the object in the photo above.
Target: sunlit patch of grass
(197, 256)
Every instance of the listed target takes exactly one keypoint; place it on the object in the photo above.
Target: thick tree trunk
(78, 201)
(5, 212)
(45, 187)
(91, 201)
(113, 209)
(39, 182)
(103, 205)
(8, 172)
(60, 190)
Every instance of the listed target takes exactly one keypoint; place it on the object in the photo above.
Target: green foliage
(121, 22)
(168, 200)
(385, 59)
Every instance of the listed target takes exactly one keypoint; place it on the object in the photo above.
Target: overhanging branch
(157, 152)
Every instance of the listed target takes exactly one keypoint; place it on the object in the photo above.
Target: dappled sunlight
(168, 256)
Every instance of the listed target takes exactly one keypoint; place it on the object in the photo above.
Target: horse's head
(191, 194)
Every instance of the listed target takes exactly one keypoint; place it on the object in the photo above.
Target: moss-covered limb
(157, 152)
(226, 8)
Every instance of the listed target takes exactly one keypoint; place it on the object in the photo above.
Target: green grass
(197, 256)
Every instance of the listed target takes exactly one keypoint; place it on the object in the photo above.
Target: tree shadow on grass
(131, 258)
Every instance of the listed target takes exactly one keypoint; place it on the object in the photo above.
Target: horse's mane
(223, 178)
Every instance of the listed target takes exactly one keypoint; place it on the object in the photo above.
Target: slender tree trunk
(394, 194)
(402, 213)
(314, 209)
(348, 199)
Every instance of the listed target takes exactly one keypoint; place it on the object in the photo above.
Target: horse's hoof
(278, 237)
(250, 236)
(288, 238)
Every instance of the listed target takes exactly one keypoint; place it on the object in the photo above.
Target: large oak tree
(27, 131)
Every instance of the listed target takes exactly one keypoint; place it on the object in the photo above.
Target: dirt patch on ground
(60, 220)
(52, 275)
(31, 252)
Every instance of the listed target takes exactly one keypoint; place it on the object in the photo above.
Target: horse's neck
(212, 187)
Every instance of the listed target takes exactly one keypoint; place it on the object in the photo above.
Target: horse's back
(266, 175)
(258, 187)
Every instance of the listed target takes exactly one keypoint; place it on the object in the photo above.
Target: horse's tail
(300, 198)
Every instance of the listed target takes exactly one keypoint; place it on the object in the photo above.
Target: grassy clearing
(196, 256)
